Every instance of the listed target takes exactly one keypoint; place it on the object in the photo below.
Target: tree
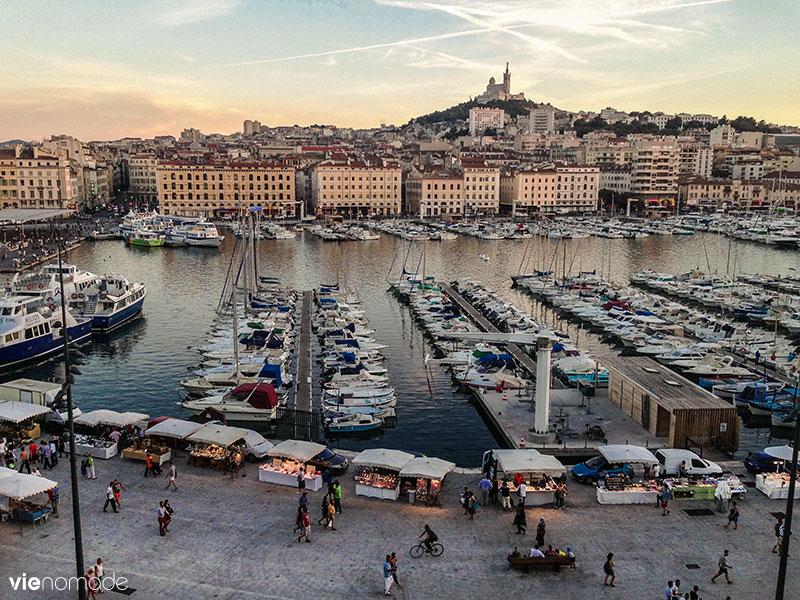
(490, 132)
(693, 124)
(675, 123)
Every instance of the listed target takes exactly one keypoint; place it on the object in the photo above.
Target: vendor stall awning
(174, 428)
(16, 412)
(528, 461)
(221, 435)
(628, 454)
(23, 215)
(297, 449)
(781, 452)
(429, 468)
(104, 416)
(381, 457)
(19, 486)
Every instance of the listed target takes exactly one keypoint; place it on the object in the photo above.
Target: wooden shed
(669, 405)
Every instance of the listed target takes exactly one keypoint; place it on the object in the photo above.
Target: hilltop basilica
(499, 91)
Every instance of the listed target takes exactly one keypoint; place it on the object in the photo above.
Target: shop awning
(429, 468)
(528, 461)
(174, 428)
(95, 417)
(296, 449)
(382, 457)
(16, 412)
(221, 435)
(23, 215)
(628, 454)
(19, 486)
(104, 416)
(781, 452)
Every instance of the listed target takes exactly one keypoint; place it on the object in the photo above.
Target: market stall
(16, 420)
(422, 479)
(776, 485)
(618, 488)
(213, 444)
(172, 429)
(704, 487)
(17, 488)
(378, 472)
(93, 421)
(288, 458)
(537, 470)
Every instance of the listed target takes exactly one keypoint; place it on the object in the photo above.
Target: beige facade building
(44, 180)
(654, 171)
(142, 180)
(553, 189)
(481, 188)
(620, 155)
(353, 187)
(481, 119)
(542, 119)
(188, 189)
(436, 194)
(615, 179)
(9, 193)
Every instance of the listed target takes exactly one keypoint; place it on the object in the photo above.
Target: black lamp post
(787, 526)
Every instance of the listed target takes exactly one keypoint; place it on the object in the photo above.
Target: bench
(548, 562)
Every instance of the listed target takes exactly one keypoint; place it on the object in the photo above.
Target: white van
(671, 458)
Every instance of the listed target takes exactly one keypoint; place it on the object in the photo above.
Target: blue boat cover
(272, 372)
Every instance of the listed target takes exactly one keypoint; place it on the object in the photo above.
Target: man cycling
(430, 537)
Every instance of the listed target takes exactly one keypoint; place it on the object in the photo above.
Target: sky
(105, 69)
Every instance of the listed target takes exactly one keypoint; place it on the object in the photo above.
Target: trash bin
(411, 496)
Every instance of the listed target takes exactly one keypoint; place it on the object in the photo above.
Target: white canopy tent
(296, 449)
(528, 461)
(95, 417)
(221, 435)
(16, 412)
(781, 452)
(174, 428)
(429, 468)
(19, 486)
(627, 454)
(124, 419)
(381, 457)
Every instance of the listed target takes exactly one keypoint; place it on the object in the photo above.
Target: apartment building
(189, 189)
(8, 179)
(354, 187)
(619, 154)
(654, 170)
(142, 180)
(615, 179)
(481, 188)
(715, 193)
(551, 189)
(482, 118)
(542, 119)
(434, 194)
(44, 179)
(694, 158)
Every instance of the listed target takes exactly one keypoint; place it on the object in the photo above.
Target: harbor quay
(234, 539)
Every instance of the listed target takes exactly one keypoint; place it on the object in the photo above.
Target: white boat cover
(782, 452)
(174, 428)
(627, 454)
(19, 486)
(297, 449)
(384, 458)
(16, 412)
(429, 468)
(221, 435)
(528, 461)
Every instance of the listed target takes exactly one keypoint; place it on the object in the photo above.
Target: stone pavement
(233, 539)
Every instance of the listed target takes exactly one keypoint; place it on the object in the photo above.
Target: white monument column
(541, 420)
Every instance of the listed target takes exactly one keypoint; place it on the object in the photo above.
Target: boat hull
(105, 323)
(41, 347)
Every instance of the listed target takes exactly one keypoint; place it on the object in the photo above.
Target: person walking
(303, 501)
(778, 536)
(522, 491)
(331, 516)
(387, 576)
(24, 461)
(733, 516)
(91, 584)
(520, 521)
(90, 474)
(337, 495)
(47, 462)
(148, 464)
(53, 452)
(171, 474)
(168, 512)
(305, 531)
(540, 528)
(162, 523)
(301, 481)
(327, 479)
(485, 486)
(325, 504)
(665, 494)
(110, 498)
(608, 569)
(393, 562)
(561, 494)
(99, 572)
(52, 500)
(493, 491)
(505, 495)
(118, 487)
(723, 568)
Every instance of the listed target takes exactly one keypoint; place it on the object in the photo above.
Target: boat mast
(255, 252)
(424, 255)
(234, 301)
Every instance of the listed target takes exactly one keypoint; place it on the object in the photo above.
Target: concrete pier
(303, 395)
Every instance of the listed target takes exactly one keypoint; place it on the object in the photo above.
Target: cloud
(185, 12)
(186, 58)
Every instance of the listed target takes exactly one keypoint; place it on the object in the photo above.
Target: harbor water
(139, 367)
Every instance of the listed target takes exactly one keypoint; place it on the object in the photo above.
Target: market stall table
(160, 454)
(629, 495)
(288, 458)
(99, 447)
(703, 489)
(378, 472)
(423, 477)
(775, 485)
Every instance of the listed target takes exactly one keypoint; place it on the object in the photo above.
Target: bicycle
(419, 549)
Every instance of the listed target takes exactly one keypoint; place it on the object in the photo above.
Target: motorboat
(353, 424)
(249, 402)
(722, 368)
(201, 386)
(728, 391)
(144, 238)
(110, 301)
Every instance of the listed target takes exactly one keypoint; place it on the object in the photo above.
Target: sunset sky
(105, 69)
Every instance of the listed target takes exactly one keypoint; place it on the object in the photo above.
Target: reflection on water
(138, 367)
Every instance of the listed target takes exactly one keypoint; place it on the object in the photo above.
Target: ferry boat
(109, 302)
(30, 330)
(147, 239)
(46, 283)
(203, 233)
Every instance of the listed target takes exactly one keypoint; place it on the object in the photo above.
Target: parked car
(671, 459)
(327, 459)
(761, 462)
(596, 468)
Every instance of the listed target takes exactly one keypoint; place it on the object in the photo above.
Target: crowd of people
(331, 506)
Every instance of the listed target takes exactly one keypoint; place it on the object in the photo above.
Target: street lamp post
(787, 526)
(67, 387)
